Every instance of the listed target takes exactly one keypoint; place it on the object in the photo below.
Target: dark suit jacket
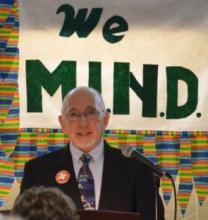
(127, 185)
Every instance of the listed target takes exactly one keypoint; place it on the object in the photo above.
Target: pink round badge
(62, 176)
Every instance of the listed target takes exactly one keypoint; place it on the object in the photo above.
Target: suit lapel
(70, 188)
(112, 172)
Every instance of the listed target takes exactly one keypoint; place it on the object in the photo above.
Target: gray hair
(98, 98)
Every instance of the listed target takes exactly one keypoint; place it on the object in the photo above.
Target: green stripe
(18, 161)
(3, 13)
(183, 199)
(14, 36)
(8, 88)
(42, 140)
(5, 31)
(11, 124)
(4, 192)
(200, 167)
(10, 62)
(202, 192)
(184, 174)
(166, 184)
(7, 167)
(199, 141)
(169, 158)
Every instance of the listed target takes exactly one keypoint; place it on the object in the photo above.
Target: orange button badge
(62, 176)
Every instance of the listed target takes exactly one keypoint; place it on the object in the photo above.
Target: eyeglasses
(89, 114)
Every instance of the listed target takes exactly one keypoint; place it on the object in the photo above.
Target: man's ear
(61, 122)
(106, 119)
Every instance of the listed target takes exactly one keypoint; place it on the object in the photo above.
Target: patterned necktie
(86, 183)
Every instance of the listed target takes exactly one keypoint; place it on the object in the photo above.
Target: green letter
(123, 79)
(147, 93)
(109, 31)
(95, 75)
(121, 88)
(82, 25)
(174, 74)
(38, 76)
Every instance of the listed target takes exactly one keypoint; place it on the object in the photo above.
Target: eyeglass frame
(85, 113)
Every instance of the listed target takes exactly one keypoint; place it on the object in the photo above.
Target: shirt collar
(96, 153)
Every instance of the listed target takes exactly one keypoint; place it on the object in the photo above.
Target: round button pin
(62, 176)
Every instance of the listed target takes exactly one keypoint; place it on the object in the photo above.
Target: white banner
(147, 57)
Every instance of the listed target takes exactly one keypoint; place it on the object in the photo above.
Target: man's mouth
(84, 133)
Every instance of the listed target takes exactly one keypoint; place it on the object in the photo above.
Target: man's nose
(83, 118)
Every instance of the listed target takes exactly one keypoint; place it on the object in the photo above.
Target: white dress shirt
(95, 165)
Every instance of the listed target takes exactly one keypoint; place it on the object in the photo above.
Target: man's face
(84, 120)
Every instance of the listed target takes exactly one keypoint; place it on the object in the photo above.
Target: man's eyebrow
(75, 109)
(90, 106)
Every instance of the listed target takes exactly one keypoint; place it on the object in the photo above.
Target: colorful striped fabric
(176, 152)
(6, 178)
(185, 172)
(9, 117)
(9, 97)
(199, 155)
(9, 29)
(33, 143)
(149, 148)
(168, 157)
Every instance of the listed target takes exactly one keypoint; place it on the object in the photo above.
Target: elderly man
(92, 173)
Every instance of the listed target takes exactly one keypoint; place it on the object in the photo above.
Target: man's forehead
(82, 99)
(89, 107)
